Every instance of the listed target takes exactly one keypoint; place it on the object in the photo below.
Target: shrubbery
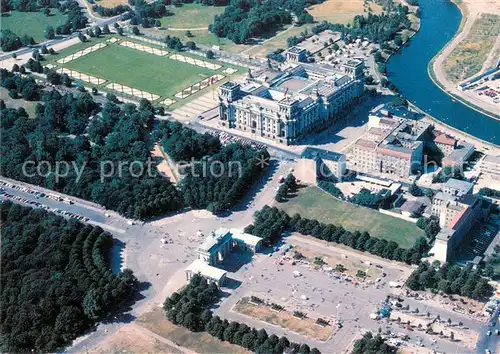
(270, 224)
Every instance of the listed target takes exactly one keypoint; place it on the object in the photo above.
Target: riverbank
(436, 71)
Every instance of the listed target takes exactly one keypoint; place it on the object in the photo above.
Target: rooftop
(366, 144)
(247, 239)
(445, 139)
(312, 153)
(215, 238)
(458, 184)
(205, 270)
(461, 153)
(412, 206)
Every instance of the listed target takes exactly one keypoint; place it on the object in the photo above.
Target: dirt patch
(111, 3)
(306, 327)
(199, 342)
(342, 11)
(164, 166)
(130, 339)
(332, 259)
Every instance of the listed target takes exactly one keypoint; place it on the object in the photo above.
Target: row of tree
(370, 344)
(270, 224)
(288, 186)
(190, 308)
(450, 279)
(489, 192)
(56, 280)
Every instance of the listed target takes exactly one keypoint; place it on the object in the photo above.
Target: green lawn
(148, 72)
(191, 16)
(29, 106)
(313, 203)
(32, 23)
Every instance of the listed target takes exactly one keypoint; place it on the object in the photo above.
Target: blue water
(116, 259)
(407, 69)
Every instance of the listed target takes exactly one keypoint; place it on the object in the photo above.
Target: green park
(314, 203)
(32, 23)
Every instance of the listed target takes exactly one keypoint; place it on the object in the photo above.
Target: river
(407, 69)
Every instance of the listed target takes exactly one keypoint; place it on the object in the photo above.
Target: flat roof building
(490, 165)
(212, 274)
(456, 187)
(285, 106)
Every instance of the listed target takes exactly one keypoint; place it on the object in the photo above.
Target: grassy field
(313, 203)
(191, 16)
(342, 11)
(199, 342)
(32, 23)
(144, 71)
(469, 55)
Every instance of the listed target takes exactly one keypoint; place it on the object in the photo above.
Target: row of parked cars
(226, 138)
(34, 202)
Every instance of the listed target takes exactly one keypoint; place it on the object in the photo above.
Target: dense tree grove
(270, 224)
(56, 281)
(146, 14)
(119, 135)
(370, 200)
(219, 182)
(450, 279)
(107, 160)
(246, 19)
(370, 344)
(10, 41)
(190, 308)
(217, 176)
(184, 144)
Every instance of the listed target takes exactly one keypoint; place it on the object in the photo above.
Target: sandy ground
(135, 339)
(473, 9)
(164, 167)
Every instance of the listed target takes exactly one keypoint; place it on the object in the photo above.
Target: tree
(135, 31)
(81, 37)
(49, 32)
(189, 34)
(210, 55)
(46, 11)
(415, 190)
(95, 91)
(93, 305)
(15, 68)
(105, 29)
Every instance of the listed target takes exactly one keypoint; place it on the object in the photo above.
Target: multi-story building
(456, 187)
(392, 145)
(315, 164)
(457, 219)
(445, 143)
(462, 152)
(286, 106)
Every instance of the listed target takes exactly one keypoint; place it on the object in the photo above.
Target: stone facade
(286, 106)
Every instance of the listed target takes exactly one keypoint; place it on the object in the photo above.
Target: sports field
(190, 16)
(148, 72)
(32, 23)
(314, 203)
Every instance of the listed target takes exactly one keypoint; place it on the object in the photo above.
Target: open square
(140, 70)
